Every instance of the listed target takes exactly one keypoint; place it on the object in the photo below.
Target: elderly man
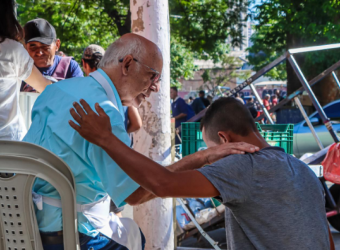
(128, 73)
(42, 44)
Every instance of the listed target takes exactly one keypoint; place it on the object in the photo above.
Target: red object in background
(266, 104)
(331, 164)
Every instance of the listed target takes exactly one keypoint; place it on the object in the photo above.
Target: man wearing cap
(91, 57)
(42, 44)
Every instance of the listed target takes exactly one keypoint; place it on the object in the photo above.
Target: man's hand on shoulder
(96, 128)
(216, 153)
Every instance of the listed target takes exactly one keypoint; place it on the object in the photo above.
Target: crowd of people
(273, 200)
(182, 110)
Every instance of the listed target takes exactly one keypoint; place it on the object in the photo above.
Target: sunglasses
(155, 78)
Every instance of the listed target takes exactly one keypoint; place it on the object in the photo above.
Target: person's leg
(54, 241)
(101, 242)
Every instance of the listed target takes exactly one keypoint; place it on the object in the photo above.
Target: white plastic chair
(19, 229)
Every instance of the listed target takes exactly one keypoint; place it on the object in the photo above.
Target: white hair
(119, 49)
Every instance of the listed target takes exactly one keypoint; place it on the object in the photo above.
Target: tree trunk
(150, 18)
(293, 82)
(327, 90)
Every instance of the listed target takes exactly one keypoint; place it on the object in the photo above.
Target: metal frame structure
(306, 86)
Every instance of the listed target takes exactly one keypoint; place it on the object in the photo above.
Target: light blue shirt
(95, 173)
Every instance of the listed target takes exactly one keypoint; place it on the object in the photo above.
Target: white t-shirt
(15, 65)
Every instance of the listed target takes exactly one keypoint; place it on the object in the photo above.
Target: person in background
(60, 53)
(239, 98)
(278, 94)
(15, 66)
(266, 102)
(42, 44)
(181, 111)
(251, 106)
(190, 100)
(199, 103)
(275, 100)
(205, 101)
(133, 122)
(91, 57)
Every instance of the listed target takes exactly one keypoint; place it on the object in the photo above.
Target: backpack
(62, 68)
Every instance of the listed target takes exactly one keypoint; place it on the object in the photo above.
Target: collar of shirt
(119, 102)
(176, 98)
(48, 71)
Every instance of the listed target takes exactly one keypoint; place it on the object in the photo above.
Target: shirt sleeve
(16, 57)
(232, 177)
(115, 181)
(74, 70)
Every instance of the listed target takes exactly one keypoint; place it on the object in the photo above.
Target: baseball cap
(93, 51)
(39, 30)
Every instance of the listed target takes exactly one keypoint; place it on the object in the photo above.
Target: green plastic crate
(280, 135)
(191, 137)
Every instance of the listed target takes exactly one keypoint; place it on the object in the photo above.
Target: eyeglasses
(155, 78)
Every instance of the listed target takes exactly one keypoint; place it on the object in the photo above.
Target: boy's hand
(95, 128)
(218, 152)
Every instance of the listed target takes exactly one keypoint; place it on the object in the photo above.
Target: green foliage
(77, 23)
(199, 28)
(282, 24)
(205, 25)
(182, 63)
(224, 72)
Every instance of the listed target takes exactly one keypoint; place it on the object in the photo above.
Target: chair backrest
(20, 164)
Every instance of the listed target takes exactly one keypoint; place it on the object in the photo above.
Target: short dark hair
(202, 92)
(227, 114)
(93, 63)
(174, 88)
(10, 27)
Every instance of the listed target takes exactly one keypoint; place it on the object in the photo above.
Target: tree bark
(150, 18)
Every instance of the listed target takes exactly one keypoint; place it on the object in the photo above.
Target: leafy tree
(224, 72)
(199, 28)
(182, 63)
(77, 23)
(285, 24)
(205, 25)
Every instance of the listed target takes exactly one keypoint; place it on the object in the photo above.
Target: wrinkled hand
(218, 152)
(92, 126)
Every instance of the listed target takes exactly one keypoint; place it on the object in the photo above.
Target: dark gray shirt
(273, 201)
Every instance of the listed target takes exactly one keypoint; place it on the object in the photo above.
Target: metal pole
(250, 80)
(315, 102)
(314, 81)
(315, 48)
(258, 98)
(303, 112)
(258, 74)
(336, 79)
(200, 229)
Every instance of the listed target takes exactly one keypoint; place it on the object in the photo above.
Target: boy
(273, 200)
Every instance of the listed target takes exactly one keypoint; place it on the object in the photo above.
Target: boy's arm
(153, 177)
(190, 162)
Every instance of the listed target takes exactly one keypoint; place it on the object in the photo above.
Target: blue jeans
(100, 242)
